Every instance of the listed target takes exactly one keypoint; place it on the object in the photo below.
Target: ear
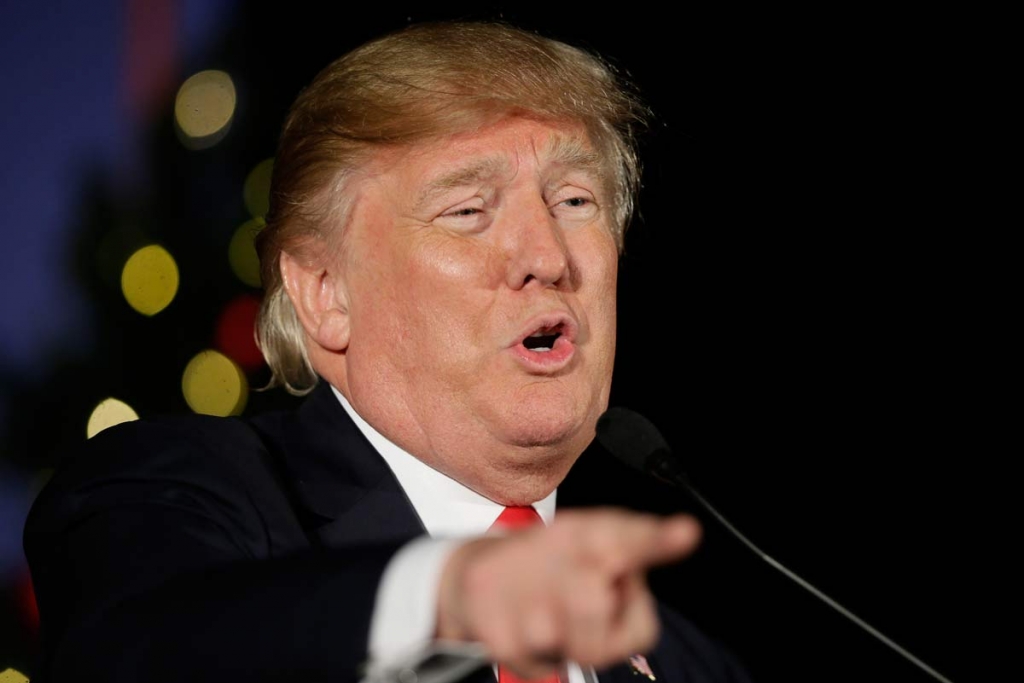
(320, 301)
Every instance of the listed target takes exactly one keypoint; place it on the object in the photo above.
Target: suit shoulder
(172, 447)
(202, 464)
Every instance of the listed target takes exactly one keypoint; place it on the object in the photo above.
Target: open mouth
(543, 339)
(548, 344)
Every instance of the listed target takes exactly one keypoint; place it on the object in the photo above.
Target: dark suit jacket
(200, 548)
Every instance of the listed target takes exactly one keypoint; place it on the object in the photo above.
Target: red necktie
(513, 518)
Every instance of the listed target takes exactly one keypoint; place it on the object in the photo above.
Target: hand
(573, 591)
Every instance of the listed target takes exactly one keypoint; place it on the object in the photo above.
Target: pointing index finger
(630, 541)
(677, 537)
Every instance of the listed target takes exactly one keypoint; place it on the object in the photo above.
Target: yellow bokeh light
(214, 385)
(204, 108)
(256, 190)
(12, 676)
(149, 279)
(242, 252)
(107, 413)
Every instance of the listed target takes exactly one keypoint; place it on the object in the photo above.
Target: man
(447, 208)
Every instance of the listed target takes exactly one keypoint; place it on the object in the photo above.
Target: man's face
(479, 273)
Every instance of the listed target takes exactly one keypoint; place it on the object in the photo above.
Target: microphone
(635, 441)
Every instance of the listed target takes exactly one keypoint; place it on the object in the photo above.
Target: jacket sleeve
(163, 552)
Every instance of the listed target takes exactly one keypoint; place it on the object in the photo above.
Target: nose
(537, 249)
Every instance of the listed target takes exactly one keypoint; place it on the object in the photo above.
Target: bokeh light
(25, 600)
(107, 413)
(149, 279)
(242, 252)
(204, 108)
(236, 327)
(256, 190)
(12, 676)
(213, 384)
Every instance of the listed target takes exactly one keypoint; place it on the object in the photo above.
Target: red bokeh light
(25, 600)
(235, 337)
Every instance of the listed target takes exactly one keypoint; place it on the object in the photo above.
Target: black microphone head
(630, 437)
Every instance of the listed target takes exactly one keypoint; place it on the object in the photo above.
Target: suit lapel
(347, 491)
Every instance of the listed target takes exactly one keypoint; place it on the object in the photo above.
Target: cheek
(598, 263)
(446, 291)
(445, 260)
(599, 281)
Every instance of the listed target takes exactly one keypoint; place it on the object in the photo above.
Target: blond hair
(424, 81)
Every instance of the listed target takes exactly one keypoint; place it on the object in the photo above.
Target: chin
(545, 443)
(538, 427)
(527, 476)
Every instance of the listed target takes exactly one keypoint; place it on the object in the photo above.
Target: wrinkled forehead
(556, 153)
(491, 154)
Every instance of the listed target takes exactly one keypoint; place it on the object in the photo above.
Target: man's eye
(467, 211)
(576, 209)
(576, 202)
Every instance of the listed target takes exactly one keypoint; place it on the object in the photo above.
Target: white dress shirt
(404, 617)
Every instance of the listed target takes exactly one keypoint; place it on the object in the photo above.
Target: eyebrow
(571, 152)
(481, 170)
(576, 154)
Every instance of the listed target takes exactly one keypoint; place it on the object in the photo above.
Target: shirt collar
(445, 506)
